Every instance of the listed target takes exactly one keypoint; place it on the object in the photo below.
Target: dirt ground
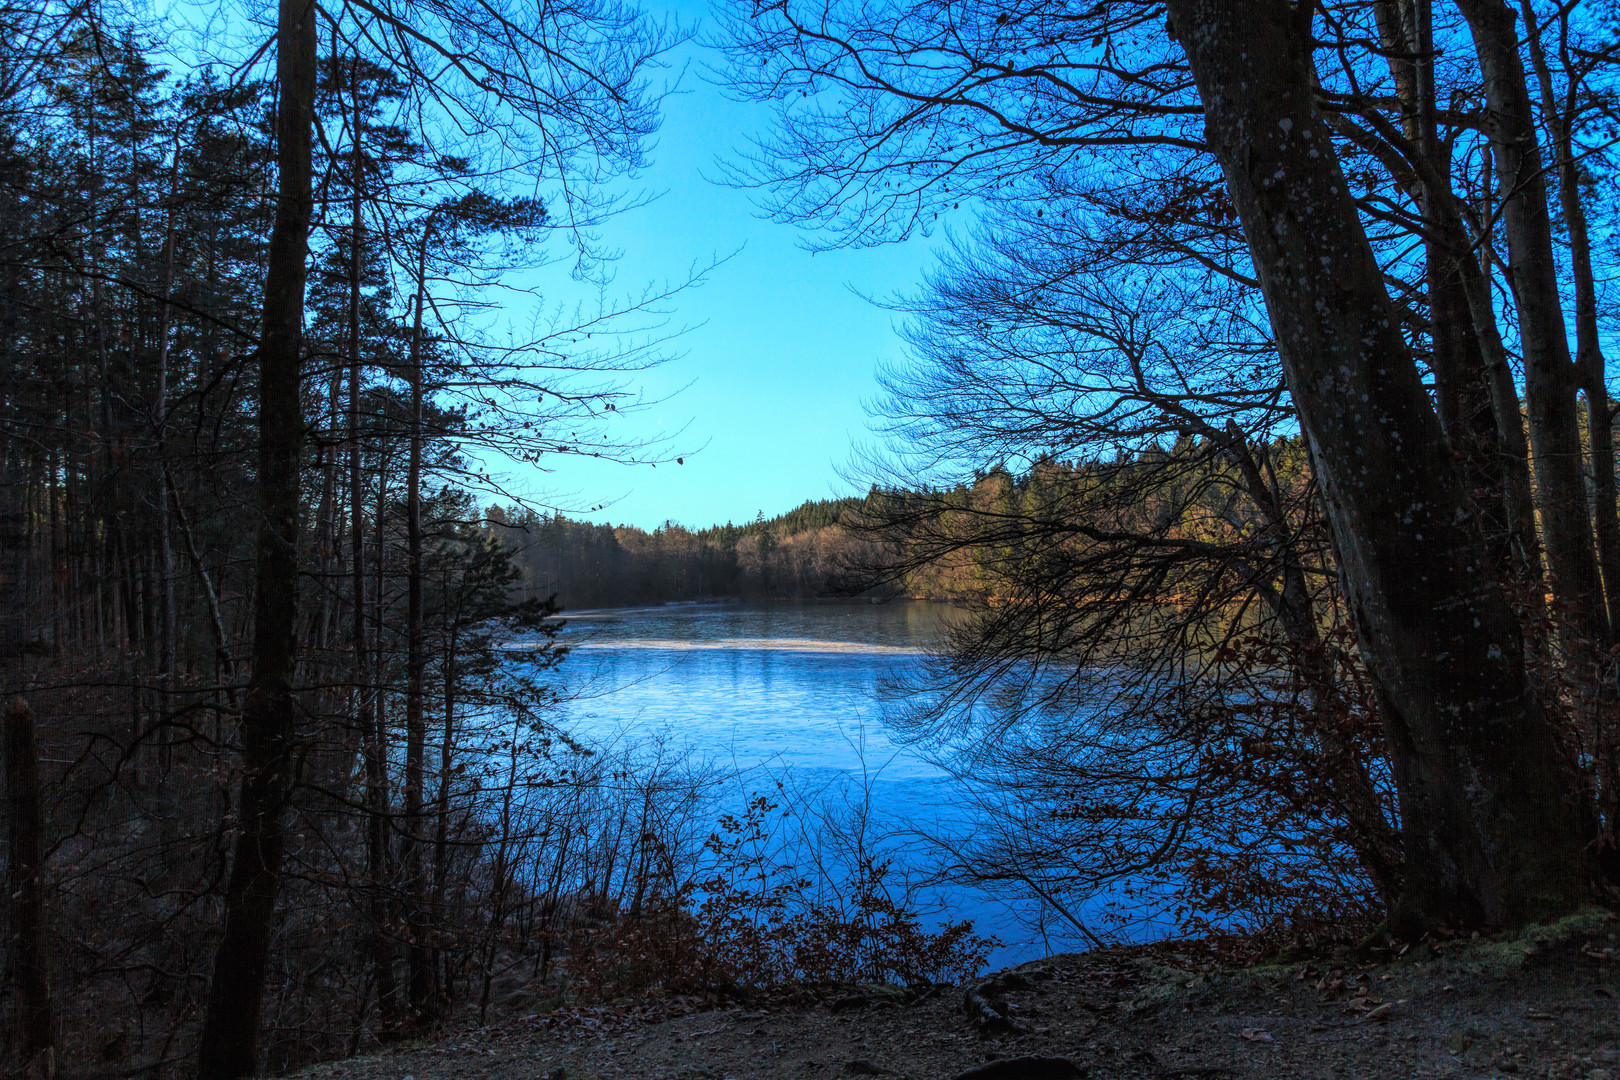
(1541, 1004)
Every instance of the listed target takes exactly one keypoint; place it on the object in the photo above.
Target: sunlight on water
(753, 686)
(800, 645)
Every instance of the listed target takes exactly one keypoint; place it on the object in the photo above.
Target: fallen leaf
(1255, 1035)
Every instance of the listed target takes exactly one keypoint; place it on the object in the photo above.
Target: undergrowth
(749, 923)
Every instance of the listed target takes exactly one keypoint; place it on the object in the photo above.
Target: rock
(989, 1012)
(1026, 1068)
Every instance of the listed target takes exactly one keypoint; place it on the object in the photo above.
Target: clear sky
(782, 352)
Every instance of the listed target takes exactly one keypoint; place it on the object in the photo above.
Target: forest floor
(1539, 1004)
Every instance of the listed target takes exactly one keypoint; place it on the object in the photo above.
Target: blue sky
(782, 353)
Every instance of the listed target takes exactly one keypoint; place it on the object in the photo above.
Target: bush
(748, 924)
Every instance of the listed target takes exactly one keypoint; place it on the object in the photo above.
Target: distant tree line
(804, 553)
(821, 549)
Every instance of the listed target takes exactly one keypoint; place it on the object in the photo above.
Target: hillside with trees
(803, 554)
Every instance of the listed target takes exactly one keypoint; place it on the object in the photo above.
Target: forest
(803, 554)
(1257, 425)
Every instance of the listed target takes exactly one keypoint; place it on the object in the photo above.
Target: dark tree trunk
(376, 762)
(30, 973)
(1475, 395)
(160, 501)
(1493, 833)
(1549, 374)
(441, 828)
(229, 1042)
(1589, 362)
(420, 954)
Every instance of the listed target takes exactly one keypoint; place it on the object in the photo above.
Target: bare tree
(891, 115)
(229, 1044)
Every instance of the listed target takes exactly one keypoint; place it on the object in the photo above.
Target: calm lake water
(781, 691)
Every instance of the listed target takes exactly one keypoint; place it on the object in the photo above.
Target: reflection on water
(778, 690)
(771, 644)
(788, 692)
(754, 685)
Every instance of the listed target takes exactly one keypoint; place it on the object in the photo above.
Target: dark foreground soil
(1541, 1004)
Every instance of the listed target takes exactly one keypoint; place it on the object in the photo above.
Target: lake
(783, 691)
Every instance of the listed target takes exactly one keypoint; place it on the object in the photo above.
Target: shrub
(748, 923)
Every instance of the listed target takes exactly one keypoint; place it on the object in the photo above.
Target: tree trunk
(229, 1042)
(224, 670)
(1493, 833)
(376, 762)
(1549, 374)
(160, 426)
(30, 973)
(441, 827)
(1589, 362)
(420, 955)
(1475, 395)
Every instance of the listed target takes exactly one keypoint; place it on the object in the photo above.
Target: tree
(1493, 834)
(592, 105)
(229, 1042)
(148, 414)
(1159, 577)
(891, 115)
(1549, 374)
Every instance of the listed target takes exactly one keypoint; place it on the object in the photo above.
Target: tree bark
(1493, 834)
(1475, 395)
(441, 828)
(229, 1042)
(33, 1014)
(420, 953)
(376, 762)
(1549, 374)
(1589, 361)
